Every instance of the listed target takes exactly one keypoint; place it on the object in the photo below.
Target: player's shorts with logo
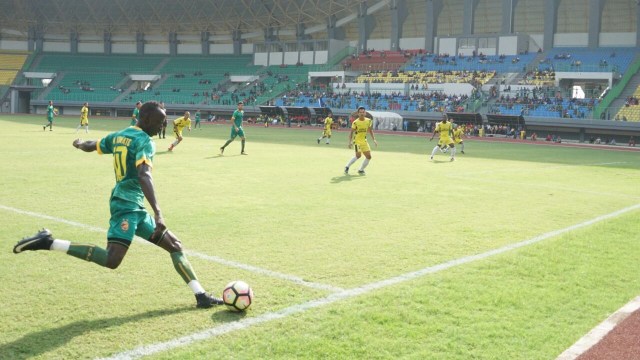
(128, 219)
(326, 132)
(235, 133)
(445, 140)
(362, 146)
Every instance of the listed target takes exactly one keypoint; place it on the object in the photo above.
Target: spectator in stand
(632, 141)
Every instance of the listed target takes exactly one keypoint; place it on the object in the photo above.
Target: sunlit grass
(288, 208)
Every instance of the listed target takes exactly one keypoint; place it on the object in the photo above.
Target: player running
(326, 133)
(444, 129)
(179, 124)
(458, 134)
(236, 128)
(361, 126)
(51, 112)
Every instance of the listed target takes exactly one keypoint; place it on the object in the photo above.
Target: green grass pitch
(286, 220)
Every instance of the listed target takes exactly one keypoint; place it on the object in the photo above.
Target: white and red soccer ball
(237, 296)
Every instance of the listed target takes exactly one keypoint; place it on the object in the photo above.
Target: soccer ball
(237, 295)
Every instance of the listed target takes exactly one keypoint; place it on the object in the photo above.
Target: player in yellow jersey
(444, 129)
(84, 118)
(458, 134)
(179, 124)
(326, 133)
(360, 127)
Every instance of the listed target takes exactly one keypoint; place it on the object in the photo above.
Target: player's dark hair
(361, 107)
(149, 107)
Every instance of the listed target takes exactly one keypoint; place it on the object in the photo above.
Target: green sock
(89, 252)
(227, 143)
(183, 267)
(242, 146)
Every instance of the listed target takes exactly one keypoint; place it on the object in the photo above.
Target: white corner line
(245, 323)
(599, 332)
(251, 268)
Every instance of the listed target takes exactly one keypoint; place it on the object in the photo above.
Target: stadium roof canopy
(181, 16)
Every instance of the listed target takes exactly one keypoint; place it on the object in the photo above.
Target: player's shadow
(218, 156)
(436, 161)
(40, 342)
(343, 178)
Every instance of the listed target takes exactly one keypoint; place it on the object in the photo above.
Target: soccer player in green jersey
(133, 150)
(51, 112)
(236, 128)
(198, 125)
(360, 127)
(136, 114)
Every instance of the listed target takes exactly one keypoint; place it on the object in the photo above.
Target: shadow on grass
(228, 316)
(343, 178)
(218, 156)
(40, 342)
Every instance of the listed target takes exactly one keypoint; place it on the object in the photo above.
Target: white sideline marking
(345, 294)
(274, 274)
(599, 332)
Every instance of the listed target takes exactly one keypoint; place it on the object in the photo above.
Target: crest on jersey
(124, 225)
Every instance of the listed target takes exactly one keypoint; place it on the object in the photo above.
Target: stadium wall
(14, 45)
(221, 49)
(90, 44)
(56, 43)
(247, 49)
(618, 39)
(571, 39)
(412, 43)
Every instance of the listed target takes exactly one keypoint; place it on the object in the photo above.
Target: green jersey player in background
(236, 128)
(135, 116)
(51, 111)
(198, 119)
(133, 151)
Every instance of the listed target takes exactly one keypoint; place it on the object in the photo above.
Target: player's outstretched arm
(86, 146)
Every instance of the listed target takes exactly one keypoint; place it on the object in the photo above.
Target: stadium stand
(480, 62)
(588, 60)
(631, 110)
(378, 60)
(475, 78)
(10, 64)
